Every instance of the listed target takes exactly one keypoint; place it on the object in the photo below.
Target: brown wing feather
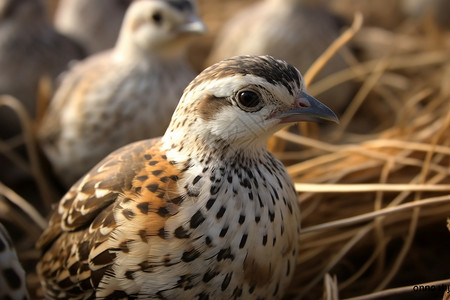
(134, 185)
(81, 203)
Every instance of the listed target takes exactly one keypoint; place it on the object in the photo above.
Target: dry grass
(367, 187)
(362, 192)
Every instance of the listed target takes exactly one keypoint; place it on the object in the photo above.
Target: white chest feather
(235, 235)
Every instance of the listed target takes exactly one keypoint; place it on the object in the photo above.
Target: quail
(298, 31)
(124, 94)
(94, 24)
(12, 275)
(204, 212)
(30, 49)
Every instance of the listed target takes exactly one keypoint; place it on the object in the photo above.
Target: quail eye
(248, 99)
(157, 18)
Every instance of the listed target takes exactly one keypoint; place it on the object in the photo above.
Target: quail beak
(193, 25)
(308, 108)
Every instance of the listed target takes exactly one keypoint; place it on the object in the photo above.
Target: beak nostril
(302, 102)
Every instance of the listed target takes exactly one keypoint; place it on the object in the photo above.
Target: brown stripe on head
(210, 105)
(274, 71)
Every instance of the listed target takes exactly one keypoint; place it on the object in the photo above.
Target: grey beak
(193, 25)
(308, 108)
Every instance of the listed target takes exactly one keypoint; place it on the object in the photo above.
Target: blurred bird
(122, 95)
(12, 275)
(374, 12)
(94, 24)
(297, 31)
(30, 49)
(206, 212)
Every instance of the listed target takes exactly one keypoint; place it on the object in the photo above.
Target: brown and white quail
(205, 212)
(125, 94)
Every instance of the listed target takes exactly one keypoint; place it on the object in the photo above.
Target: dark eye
(248, 99)
(157, 18)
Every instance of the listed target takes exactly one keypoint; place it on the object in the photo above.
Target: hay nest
(372, 190)
(377, 186)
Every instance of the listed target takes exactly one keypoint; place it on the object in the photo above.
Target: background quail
(30, 49)
(297, 31)
(122, 95)
(94, 24)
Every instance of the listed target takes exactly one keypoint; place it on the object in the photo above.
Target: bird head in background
(160, 27)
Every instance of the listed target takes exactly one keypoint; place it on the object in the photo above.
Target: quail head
(298, 31)
(94, 24)
(205, 212)
(30, 49)
(12, 275)
(122, 95)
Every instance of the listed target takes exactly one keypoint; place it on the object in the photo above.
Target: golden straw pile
(361, 193)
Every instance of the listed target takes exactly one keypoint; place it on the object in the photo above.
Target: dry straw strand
(31, 147)
(337, 44)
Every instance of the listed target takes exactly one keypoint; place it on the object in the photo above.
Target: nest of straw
(371, 190)
(379, 181)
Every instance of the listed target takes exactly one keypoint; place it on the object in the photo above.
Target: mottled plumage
(205, 212)
(297, 31)
(122, 95)
(30, 49)
(94, 24)
(12, 275)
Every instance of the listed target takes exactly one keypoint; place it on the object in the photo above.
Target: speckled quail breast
(205, 212)
(297, 31)
(123, 95)
(12, 275)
